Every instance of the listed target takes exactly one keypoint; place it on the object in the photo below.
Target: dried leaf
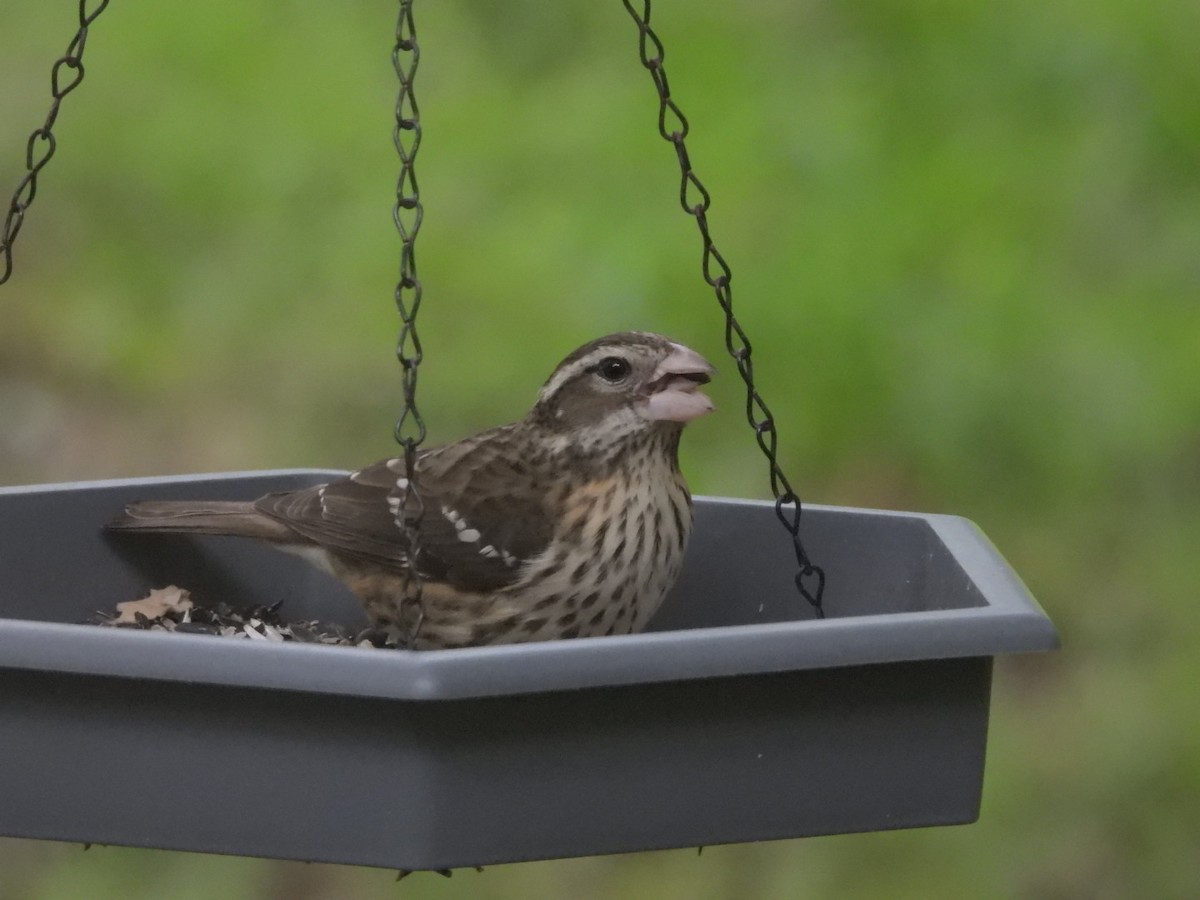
(158, 603)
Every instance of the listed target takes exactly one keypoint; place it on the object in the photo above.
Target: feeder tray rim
(1007, 621)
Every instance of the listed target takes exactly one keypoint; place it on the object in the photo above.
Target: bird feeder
(739, 716)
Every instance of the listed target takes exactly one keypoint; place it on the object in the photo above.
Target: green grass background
(966, 243)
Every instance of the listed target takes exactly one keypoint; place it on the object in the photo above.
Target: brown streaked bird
(571, 522)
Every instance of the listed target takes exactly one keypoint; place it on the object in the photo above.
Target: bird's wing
(483, 516)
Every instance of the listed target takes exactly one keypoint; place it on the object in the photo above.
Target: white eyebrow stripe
(580, 365)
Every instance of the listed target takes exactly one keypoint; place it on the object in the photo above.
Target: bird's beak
(672, 394)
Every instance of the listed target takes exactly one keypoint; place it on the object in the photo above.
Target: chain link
(695, 200)
(65, 76)
(407, 215)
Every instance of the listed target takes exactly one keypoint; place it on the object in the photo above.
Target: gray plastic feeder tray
(739, 718)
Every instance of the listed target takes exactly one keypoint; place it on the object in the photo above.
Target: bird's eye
(613, 369)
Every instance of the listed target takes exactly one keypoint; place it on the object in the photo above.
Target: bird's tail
(201, 517)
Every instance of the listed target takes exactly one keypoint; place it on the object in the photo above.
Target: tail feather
(201, 517)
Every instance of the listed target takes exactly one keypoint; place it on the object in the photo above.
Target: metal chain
(695, 200)
(407, 214)
(42, 144)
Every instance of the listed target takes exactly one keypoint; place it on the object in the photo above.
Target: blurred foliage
(966, 241)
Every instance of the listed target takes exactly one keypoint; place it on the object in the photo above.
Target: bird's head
(624, 384)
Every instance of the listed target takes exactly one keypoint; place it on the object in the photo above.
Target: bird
(571, 522)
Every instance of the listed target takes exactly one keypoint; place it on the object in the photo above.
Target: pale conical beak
(672, 390)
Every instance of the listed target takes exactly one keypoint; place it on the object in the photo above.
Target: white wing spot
(469, 535)
(455, 519)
